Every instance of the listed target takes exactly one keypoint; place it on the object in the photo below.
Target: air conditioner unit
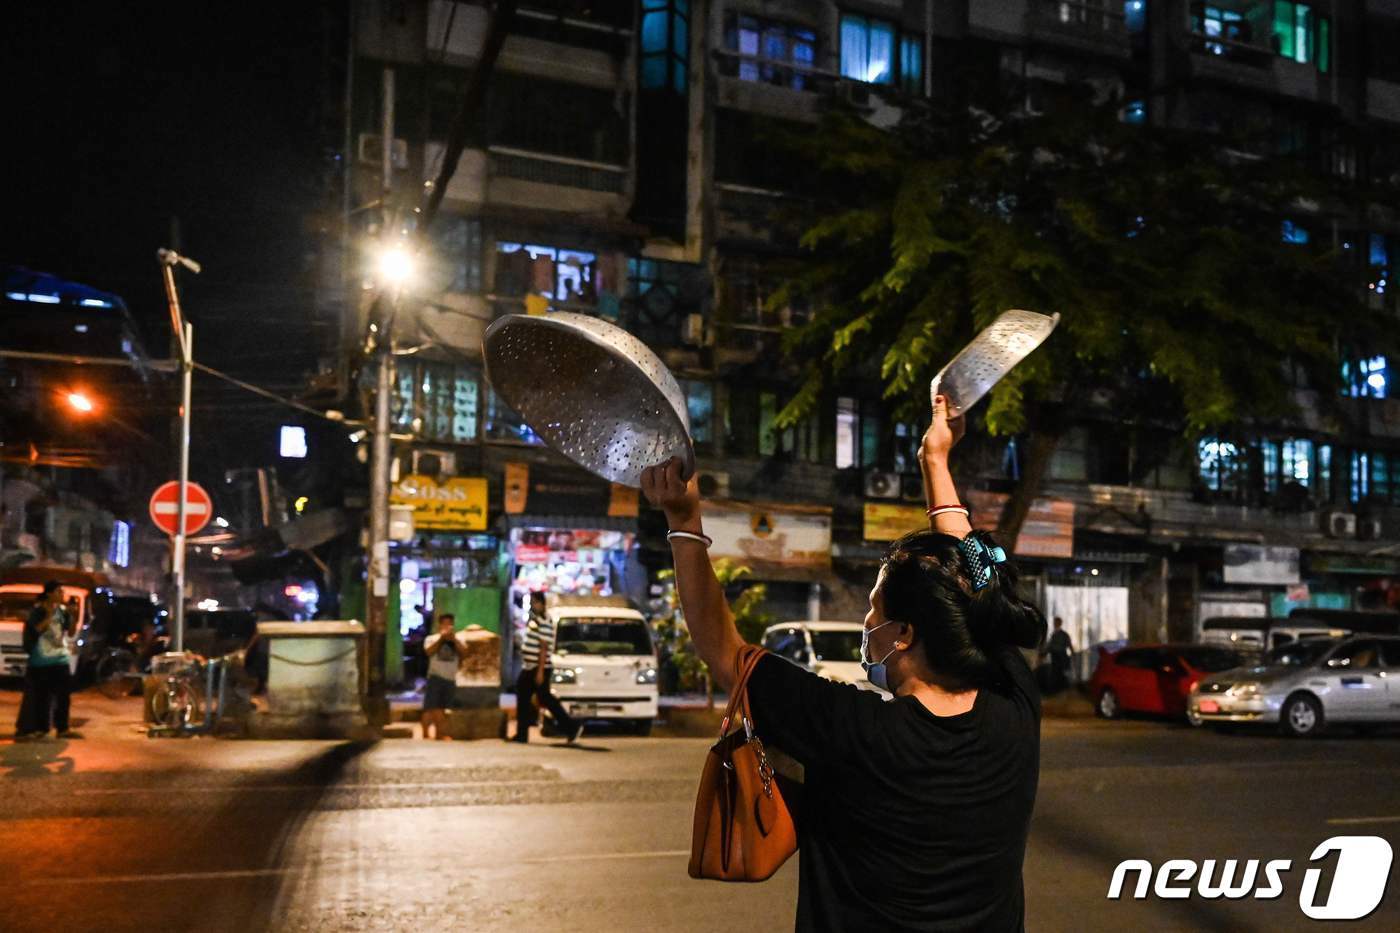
(912, 487)
(1339, 524)
(713, 484)
(694, 332)
(855, 93)
(1368, 528)
(370, 151)
(434, 463)
(880, 485)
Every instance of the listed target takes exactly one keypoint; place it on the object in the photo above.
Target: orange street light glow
(80, 402)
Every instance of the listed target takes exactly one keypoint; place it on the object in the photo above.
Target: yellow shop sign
(456, 504)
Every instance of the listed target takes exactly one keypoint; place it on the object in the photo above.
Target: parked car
(828, 649)
(604, 660)
(1154, 678)
(1258, 635)
(19, 589)
(1306, 685)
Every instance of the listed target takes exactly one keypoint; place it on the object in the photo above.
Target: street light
(396, 266)
(80, 402)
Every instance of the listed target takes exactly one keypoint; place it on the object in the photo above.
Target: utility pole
(184, 332)
(381, 344)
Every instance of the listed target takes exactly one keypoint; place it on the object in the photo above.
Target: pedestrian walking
(915, 811)
(532, 686)
(439, 693)
(47, 677)
(1061, 651)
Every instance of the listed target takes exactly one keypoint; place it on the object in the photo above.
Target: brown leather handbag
(743, 830)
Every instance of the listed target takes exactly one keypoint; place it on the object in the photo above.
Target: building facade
(619, 168)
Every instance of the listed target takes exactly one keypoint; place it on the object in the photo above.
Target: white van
(827, 649)
(604, 660)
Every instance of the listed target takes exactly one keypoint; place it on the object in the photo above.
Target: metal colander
(591, 391)
(991, 355)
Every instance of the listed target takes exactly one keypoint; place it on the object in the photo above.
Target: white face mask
(875, 671)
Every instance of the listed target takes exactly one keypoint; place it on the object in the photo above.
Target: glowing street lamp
(80, 402)
(396, 266)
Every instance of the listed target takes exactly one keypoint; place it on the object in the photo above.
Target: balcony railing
(558, 170)
(1089, 16)
(1246, 53)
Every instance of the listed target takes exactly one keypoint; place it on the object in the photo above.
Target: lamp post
(395, 268)
(184, 333)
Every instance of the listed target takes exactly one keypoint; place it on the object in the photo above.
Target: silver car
(1306, 685)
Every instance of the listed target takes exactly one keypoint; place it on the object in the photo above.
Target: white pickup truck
(604, 660)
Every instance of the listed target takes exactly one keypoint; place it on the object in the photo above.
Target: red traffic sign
(165, 507)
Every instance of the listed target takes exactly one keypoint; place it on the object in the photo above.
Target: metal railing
(558, 170)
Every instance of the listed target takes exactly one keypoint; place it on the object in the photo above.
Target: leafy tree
(1163, 251)
(750, 618)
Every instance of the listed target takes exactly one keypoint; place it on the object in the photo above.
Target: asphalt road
(125, 833)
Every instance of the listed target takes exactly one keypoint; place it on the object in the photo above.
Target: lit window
(867, 49)
(771, 52)
(847, 434)
(1378, 259)
(700, 408)
(1292, 233)
(1297, 460)
(665, 44)
(564, 275)
(1302, 35)
(911, 64)
(1135, 15)
(1369, 378)
(1220, 463)
(292, 443)
(119, 553)
(1135, 112)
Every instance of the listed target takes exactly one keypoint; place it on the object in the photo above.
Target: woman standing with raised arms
(916, 810)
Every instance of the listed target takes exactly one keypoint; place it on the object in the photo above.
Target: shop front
(447, 564)
(563, 533)
(787, 547)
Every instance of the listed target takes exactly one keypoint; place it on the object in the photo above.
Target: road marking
(234, 788)
(268, 872)
(173, 876)
(607, 855)
(1354, 820)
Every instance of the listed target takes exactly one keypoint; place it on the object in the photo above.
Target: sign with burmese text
(455, 504)
(769, 536)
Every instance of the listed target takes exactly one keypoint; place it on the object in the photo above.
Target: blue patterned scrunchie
(979, 560)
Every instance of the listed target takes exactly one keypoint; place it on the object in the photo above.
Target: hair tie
(979, 559)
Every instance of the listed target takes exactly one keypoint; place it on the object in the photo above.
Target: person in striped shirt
(533, 683)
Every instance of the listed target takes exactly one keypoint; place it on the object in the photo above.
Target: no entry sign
(165, 507)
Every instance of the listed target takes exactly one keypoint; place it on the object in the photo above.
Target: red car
(1154, 678)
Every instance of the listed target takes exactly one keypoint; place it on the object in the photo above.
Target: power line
(258, 390)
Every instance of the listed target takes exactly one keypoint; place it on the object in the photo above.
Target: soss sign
(455, 504)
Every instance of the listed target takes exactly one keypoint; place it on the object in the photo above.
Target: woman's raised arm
(707, 614)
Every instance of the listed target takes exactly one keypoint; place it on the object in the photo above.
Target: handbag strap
(744, 663)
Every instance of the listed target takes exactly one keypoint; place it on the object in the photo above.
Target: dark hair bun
(927, 584)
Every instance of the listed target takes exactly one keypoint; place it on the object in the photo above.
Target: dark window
(1211, 660)
(1356, 656)
(602, 636)
(557, 118)
(1138, 658)
(1390, 654)
(789, 643)
(700, 408)
(458, 242)
(836, 646)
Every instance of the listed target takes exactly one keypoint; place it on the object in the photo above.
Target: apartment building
(619, 169)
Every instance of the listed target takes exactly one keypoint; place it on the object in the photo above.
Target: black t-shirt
(908, 821)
